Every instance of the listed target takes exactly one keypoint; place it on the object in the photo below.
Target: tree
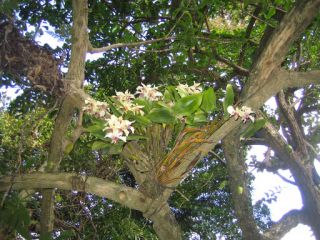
(262, 49)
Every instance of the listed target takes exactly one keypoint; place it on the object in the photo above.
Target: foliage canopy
(182, 173)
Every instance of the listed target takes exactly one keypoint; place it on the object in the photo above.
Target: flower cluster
(125, 98)
(118, 129)
(149, 92)
(96, 108)
(245, 113)
(185, 90)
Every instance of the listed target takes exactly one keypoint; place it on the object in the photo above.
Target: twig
(285, 179)
(182, 195)
(128, 45)
(217, 156)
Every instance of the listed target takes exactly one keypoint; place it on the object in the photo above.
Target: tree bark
(239, 185)
(301, 169)
(74, 78)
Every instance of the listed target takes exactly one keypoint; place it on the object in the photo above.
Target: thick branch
(285, 224)
(238, 183)
(158, 210)
(165, 225)
(290, 28)
(126, 196)
(74, 77)
(295, 130)
(302, 174)
(299, 79)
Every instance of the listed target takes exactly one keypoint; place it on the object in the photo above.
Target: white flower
(129, 106)
(137, 109)
(195, 88)
(149, 92)
(115, 136)
(124, 97)
(244, 113)
(96, 108)
(231, 110)
(185, 90)
(118, 128)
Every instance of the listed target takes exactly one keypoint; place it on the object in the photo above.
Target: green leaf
(228, 99)
(136, 137)
(114, 149)
(271, 12)
(223, 184)
(58, 198)
(161, 115)
(113, 108)
(100, 145)
(208, 101)
(253, 128)
(187, 105)
(97, 129)
(68, 148)
(199, 117)
(142, 120)
(189, 120)
(171, 94)
(147, 105)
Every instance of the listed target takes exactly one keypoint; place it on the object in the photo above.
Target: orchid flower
(129, 106)
(118, 128)
(124, 96)
(149, 92)
(96, 108)
(185, 90)
(244, 113)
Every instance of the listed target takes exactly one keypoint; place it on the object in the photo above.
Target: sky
(288, 196)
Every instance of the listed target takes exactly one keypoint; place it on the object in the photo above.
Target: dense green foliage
(201, 39)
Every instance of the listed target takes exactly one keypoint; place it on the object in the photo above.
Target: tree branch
(248, 33)
(290, 28)
(290, 220)
(240, 70)
(238, 184)
(74, 77)
(157, 210)
(285, 179)
(128, 45)
(300, 79)
(126, 196)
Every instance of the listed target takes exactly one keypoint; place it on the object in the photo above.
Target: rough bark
(288, 221)
(237, 170)
(290, 28)
(301, 166)
(143, 161)
(156, 210)
(127, 196)
(74, 78)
